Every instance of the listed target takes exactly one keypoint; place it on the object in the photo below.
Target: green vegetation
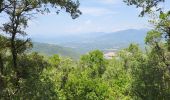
(51, 49)
(131, 75)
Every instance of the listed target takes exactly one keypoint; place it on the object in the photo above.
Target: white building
(109, 55)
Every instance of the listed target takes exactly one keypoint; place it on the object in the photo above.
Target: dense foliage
(131, 74)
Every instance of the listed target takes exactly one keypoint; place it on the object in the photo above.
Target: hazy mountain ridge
(116, 40)
(83, 43)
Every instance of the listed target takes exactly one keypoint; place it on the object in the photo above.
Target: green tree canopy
(44, 5)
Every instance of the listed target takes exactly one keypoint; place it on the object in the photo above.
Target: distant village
(110, 53)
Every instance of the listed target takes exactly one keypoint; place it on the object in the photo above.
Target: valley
(75, 46)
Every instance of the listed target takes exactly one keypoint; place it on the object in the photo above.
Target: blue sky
(98, 16)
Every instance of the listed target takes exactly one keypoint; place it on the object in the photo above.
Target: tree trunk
(13, 51)
(14, 60)
(1, 64)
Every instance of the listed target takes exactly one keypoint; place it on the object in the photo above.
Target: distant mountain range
(85, 42)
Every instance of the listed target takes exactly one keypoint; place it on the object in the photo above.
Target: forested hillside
(51, 49)
(132, 74)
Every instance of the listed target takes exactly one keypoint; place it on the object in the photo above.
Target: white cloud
(88, 22)
(89, 26)
(96, 11)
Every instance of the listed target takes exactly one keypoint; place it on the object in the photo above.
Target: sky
(98, 16)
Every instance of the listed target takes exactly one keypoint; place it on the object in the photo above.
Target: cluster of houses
(109, 53)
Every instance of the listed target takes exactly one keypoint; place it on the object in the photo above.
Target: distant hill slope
(51, 49)
(99, 40)
(115, 40)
